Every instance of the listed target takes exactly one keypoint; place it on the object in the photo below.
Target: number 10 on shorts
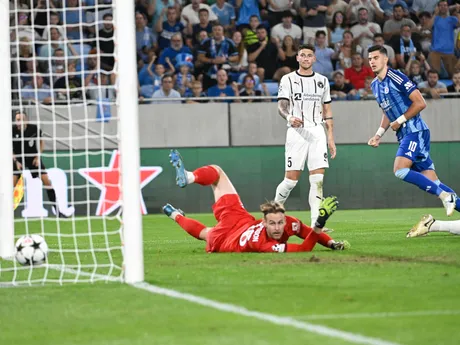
(412, 146)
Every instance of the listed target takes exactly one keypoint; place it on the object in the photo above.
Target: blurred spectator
(104, 7)
(225, 13)
(323, 64)
(28, 75)
(196, 29)
(364, 31)
(247, 9)
(277, 9)
(341, 90)
(184, 78)
(38, 91)
(287, 57)
(24, 29)
(425, 31)
(68, 86)
(366, 92)
(40, 19)
(222, 89)
(145, 39)
(197, 91)
(415, 72)
(241, 64)
(455, 87)
(73, 17)
(252, 70)
(336, 29)
(58, 63)
(433, 87)
(344, 50)
(166, 29)
(105, 88)
(106, 43)
(393, 26)
(166, 90)
(286, 28)
(250, 90)
(214, 53)
(176, 47)
(250, 34)
(55, 22)
(357, 73)
(91, 68)
(263, 53)
(374, 11)
(419, 6)
(190, 13)
(56, 42)
(388, 6)
(25, 53)
(334, 7)
(378, 40)
(314, 18)
(151, 74)
(442, 46)
(406, 47)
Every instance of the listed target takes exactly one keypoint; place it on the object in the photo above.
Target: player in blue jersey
(401, 103)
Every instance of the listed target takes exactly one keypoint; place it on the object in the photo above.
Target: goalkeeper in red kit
(237, 230)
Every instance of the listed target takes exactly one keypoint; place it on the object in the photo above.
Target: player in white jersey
(304, 101)
(429, 224)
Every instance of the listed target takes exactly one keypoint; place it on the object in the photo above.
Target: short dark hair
(363, 8)
(377, 35)
(254, 15)
(260, 27)
(203, 10)
(107, 15)
(397, 6)
(286, 14)
(433, 71)
(320, 32)
(380, 49)
(405, 25)
(167, 75)
(306, 46)
(424, 14)
(20, 111)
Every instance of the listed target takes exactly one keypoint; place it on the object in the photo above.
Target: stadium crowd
(62, 49)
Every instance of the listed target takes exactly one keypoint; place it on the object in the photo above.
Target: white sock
(284, 189)
(174, 215)
(315, 196)
(190, 177)
(446, 226)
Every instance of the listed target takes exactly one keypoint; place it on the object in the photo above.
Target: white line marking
(378, 315)
(278, 320)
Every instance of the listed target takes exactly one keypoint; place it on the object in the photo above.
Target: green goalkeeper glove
(326, 209)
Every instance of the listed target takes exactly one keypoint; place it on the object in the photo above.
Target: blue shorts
(416, 147)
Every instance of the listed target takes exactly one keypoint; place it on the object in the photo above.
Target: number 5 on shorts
(289, 162)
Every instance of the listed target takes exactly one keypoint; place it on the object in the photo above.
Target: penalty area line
(378, 315)
(354, 338)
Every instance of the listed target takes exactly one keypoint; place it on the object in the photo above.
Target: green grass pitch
(400, 290)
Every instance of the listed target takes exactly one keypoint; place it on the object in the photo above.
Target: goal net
(67, 77)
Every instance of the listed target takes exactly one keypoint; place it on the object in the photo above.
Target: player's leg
(429, 224)
(192, 226)
(317, 163)
(431, 174)
(414, 148)
(296, 150)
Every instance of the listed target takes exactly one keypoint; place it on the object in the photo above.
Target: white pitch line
(278, 320)
(378, 315)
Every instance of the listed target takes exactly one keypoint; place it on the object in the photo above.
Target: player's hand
(395, 125)
(295, 122)
(332, 148)
(35, 162)
(326, 209)
(374, 141)
(18, 165)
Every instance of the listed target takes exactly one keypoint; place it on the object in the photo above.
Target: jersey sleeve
(327, 92)
(402, 82)
(284, 88)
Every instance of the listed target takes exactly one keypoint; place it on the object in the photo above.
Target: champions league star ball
(31, 250)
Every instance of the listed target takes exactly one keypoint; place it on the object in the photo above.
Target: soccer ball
(31, 250)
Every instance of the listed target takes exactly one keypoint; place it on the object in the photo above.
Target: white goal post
(69, 237)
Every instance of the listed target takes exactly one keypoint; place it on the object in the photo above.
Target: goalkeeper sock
(315, 196)
(325, 240)
(284, 189)
(192, 226)
(204, 176)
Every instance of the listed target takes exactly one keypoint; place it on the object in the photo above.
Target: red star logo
(107, 179)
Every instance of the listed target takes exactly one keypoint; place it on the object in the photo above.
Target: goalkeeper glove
(326, 209)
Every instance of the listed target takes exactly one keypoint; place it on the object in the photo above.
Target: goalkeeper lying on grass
(237, 230)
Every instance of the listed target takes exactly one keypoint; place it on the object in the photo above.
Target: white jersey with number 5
(306, 95)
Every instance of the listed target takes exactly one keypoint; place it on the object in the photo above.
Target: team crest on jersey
(279, 247)
(31, 143)
(386, 90)
(295, 227)
(320, 84)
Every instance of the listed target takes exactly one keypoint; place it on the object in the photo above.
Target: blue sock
(449, 190)
(419, 180)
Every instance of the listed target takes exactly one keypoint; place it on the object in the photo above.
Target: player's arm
(418, 104)
(384, 124)
(284, 109)
(329, 120)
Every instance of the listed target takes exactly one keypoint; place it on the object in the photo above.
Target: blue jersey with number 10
(392, 95)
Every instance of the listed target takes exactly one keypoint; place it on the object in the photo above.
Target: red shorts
(231, 216)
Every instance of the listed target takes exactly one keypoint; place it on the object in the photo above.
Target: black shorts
(28, 164)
